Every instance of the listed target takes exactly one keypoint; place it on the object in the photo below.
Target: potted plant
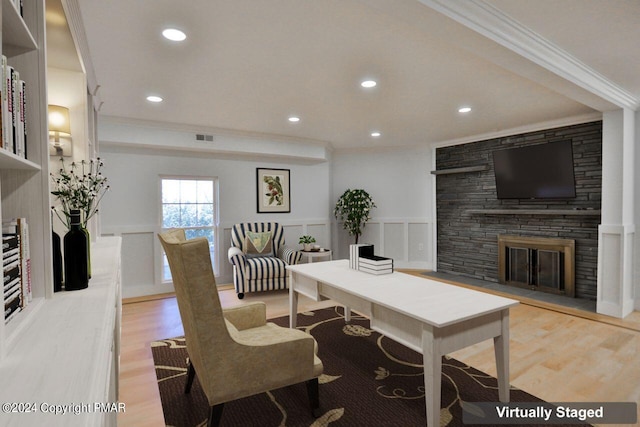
(354, 208)
(306, 241)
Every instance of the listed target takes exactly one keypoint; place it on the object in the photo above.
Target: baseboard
(154, 297)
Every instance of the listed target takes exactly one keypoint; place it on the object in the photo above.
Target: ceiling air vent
(203, 137)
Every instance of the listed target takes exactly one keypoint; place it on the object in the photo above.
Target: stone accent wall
(467, 242)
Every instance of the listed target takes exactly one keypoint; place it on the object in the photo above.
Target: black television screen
(543, 171)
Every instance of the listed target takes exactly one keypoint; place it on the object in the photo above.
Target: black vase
(75, 255)
(57, 262)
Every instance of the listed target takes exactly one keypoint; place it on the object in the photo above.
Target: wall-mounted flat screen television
(543, 171)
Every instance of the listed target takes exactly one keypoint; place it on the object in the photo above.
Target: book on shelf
(11, 308)
(9, 242)
(12, 289)
(7, 125)
(1, 113)
(23, 120)
(18, 229)
(13, 114)
(14, 110)
(11, 273)
(14, 256)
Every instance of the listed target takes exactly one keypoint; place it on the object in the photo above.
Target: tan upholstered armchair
(234, 352)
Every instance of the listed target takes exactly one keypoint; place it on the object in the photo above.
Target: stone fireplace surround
(470, 217)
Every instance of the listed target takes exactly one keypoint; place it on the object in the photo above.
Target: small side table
(316, 255)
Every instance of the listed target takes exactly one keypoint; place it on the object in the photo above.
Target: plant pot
(307, 246)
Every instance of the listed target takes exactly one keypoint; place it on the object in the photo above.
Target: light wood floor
(556, 356)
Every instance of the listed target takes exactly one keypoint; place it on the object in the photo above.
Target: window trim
(216, 222)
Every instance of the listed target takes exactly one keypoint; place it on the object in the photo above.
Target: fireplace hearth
(538, 263)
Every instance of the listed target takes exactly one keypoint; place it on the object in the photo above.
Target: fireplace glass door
(518, 267)
(548, 272)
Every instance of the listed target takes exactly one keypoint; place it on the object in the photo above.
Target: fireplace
(538, 263)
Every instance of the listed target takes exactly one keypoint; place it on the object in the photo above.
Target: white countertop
(63, 355)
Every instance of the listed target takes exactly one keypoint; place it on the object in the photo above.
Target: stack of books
(13, 112)
(362, 258)
(11, 276)
(16, 262)
(374, 264)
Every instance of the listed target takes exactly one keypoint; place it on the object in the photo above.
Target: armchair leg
(191, 373)
(215, 415)
(240, 295)
(314, 396)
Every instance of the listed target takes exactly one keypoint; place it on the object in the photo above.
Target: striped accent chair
(260, 273)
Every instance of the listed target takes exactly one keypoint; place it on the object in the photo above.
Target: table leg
(501, 349)
(293, 305)
(432, 359)
(347, 314)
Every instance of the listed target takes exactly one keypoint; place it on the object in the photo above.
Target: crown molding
(492, 23)
(533, 127)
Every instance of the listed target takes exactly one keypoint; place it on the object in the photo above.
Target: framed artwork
(273, 191)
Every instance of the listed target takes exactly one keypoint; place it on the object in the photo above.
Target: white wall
(131, 208)
(400, 183)
(69, 89)
(636, 169)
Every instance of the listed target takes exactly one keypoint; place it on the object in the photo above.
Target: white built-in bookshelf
(61, 348)
(24, 182)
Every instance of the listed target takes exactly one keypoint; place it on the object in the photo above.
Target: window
(190, 203)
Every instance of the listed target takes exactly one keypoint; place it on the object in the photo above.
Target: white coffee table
(428, 316)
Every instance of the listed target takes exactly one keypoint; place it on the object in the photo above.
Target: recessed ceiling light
(375, 134)
(294, 119)
(464, 109)
(174, 34)
(368, 83)
(154, 98)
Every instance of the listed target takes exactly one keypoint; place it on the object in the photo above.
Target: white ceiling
(249, 64)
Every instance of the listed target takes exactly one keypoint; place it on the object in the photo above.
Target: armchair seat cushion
(261, 268)
(270, 334)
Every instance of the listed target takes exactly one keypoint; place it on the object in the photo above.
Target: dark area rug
(369, 380)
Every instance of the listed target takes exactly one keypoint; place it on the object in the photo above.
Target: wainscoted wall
(141, 253)
(467, 242)
(408, 241)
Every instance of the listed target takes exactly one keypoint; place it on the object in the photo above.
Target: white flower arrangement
(82, 186)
